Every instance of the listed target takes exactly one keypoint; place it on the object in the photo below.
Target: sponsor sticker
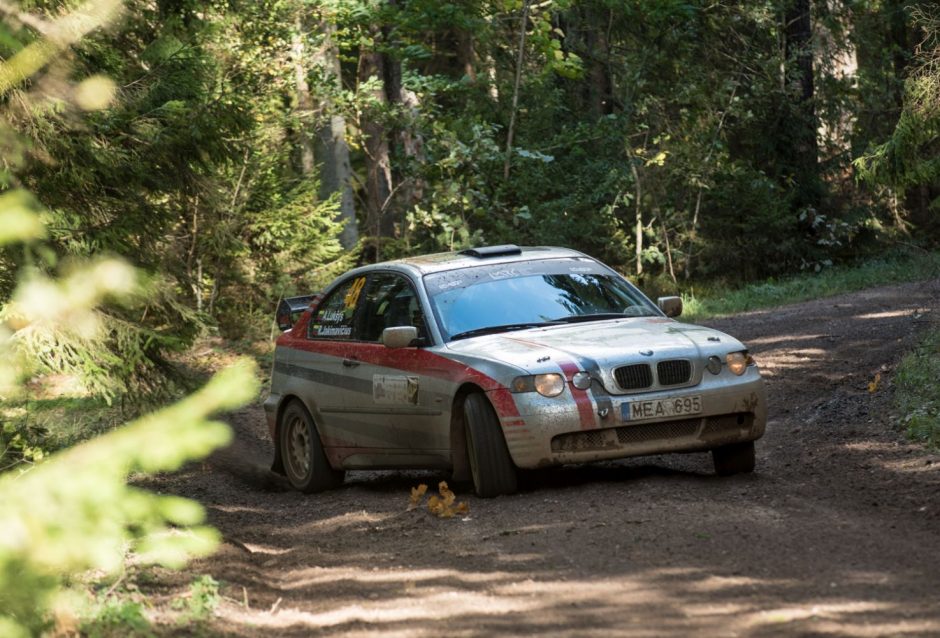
(391, 389)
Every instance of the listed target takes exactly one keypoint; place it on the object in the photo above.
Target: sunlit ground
(647, 603)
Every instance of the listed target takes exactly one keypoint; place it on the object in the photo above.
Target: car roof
(438, 262)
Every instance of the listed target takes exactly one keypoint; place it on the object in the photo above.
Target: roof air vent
(492, 251)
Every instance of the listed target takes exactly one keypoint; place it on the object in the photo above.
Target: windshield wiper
(509, 327)
(600, 316)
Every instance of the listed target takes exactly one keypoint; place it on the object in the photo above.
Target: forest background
(233, 153)
(252, 150)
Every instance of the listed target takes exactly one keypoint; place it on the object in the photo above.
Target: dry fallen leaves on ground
(444, 505)
(417, 493)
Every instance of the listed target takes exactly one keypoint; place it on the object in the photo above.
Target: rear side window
(335, 314)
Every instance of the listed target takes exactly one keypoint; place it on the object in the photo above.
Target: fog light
(581, 380)
(713, 365)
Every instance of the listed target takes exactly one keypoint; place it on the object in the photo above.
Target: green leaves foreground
(76, 511)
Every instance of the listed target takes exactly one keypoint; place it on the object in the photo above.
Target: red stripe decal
(581, 398)
(414, 360)
(569, 368)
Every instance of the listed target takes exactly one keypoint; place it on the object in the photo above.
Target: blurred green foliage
(75, 511)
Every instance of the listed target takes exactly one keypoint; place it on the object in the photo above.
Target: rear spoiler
(290, 308)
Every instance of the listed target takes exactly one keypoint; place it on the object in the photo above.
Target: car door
(397, 403)
(322, 361)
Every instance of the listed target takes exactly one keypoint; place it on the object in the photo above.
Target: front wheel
(737, 458)
(304, 459)
(492, 468)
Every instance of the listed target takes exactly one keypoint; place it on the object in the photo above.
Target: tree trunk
(381, 221)
(407, 144)
(639, 217)
(836, 58)
(466, 55)
(331, 147)
(520, 57)
(900, 47)
(492, 79)
(412, 145)
(798, 142)
(303, 104)
(598, 49)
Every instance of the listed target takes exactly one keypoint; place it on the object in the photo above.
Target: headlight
(738, 362)
(548, 385)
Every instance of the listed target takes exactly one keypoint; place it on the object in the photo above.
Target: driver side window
(334, 316)
(390, 301)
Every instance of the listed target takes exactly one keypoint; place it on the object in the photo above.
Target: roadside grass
(917, 393)
(117, 617)
(898, 267)
(200, 603)
(127, 611)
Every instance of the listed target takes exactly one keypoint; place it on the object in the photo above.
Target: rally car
(495, 359)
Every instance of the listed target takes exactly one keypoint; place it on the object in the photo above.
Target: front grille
(658, 431)
(635, 377)
(674, 371)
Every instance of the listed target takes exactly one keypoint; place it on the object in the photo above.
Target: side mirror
(399, 336)
(672, 306)
(284, 322)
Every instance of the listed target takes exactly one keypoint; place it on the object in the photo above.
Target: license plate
(639, 410)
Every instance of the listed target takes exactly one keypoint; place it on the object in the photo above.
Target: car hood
(599, 344)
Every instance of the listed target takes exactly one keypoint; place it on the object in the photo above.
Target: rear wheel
(737, 458)
(302, 453)
(490, 464)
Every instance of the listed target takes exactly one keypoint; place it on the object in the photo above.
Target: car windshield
(504, 297)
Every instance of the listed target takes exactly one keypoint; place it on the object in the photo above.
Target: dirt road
(836, 534)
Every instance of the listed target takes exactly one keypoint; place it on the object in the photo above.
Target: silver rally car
(501, 358)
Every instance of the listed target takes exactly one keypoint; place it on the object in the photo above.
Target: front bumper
(551, 431)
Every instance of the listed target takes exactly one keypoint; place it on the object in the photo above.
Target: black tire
(492, 468)
(737, 458)
(305, 462)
